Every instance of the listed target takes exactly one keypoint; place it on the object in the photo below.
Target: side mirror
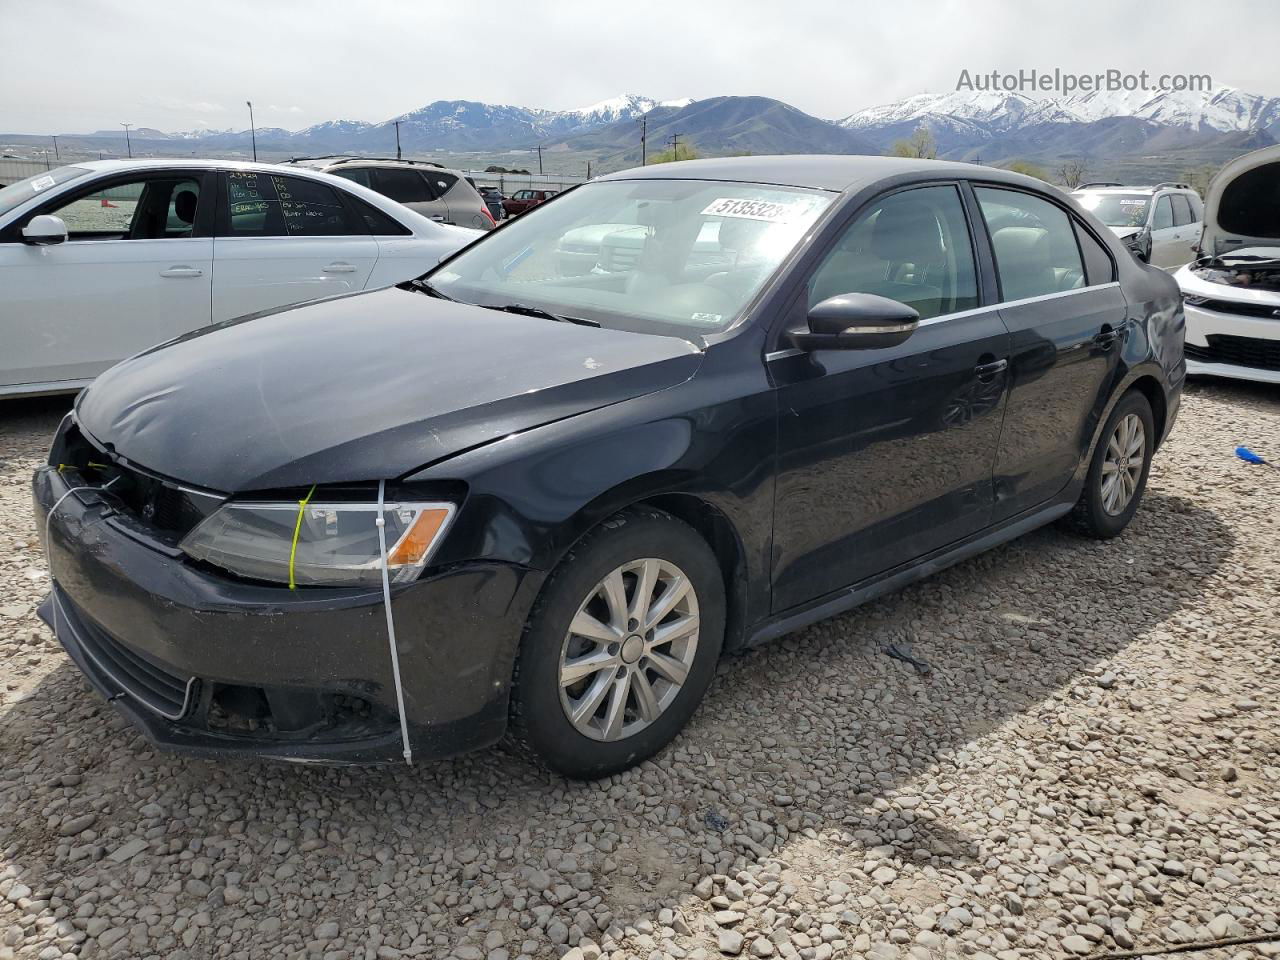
(44, 230)
(857, 321)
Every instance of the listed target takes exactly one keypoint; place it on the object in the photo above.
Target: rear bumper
(207, 664)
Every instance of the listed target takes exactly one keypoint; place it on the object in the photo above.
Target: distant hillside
(724, 125)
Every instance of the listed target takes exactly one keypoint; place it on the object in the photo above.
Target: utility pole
(675, 146)
(539, 159)
(253, 134)
(588, 169)
(397, 123)
(127, 142)
(644, 131)
(56, 155)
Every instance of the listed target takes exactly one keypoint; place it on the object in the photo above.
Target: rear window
(1250, 204)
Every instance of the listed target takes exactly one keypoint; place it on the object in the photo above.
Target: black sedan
(513, 498)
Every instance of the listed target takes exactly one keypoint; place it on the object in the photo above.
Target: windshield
(1117, 209)
(680, 257)
(19, 193)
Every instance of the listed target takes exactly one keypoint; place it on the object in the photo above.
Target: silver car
(436, 192)
(1160, 224)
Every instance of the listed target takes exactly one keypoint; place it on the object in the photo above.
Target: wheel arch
(1150, 388)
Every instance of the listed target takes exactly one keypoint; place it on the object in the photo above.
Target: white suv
(1232, 294)
(100, 260)
(1160, 224)
(436, 192)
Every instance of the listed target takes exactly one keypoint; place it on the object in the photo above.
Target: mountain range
(1117, 132)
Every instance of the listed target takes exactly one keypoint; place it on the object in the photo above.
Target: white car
(100, 260)
(1232, 294)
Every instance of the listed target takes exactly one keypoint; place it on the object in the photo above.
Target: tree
(1029, 169)
(682, 151)
(1199, 177)
(1073, 171)
(920, 144)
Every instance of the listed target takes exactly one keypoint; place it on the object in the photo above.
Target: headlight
(333, 544)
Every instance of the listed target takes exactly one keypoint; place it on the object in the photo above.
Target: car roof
(837, 173)
(1137, 188)
(328, 163)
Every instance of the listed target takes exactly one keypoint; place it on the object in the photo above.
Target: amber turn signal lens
(417, 540)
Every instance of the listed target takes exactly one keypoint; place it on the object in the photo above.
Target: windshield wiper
(526, 311)
(427, 287)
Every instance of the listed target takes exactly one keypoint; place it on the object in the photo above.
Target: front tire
(621, 646)
(1117, 475)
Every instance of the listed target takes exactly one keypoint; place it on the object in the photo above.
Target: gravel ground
(1092, 766)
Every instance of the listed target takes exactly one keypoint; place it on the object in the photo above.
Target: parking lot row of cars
(1225, 255)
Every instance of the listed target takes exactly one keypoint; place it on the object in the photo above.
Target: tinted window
(355, 176)
(269, 205)
(1098, 265)
(1181, 210)
(440, 182)
(403, 186)
(912, 247)
(1034, 244)
(379, 223)
(1197, 208)
(1164, 214)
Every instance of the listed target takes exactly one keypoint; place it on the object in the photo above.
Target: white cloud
(322, 59)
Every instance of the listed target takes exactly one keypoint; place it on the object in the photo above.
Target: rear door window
(402, 186)
(440, 182)
(1034, 243)
(1098, 265)
(269, 205)
(1181, 210)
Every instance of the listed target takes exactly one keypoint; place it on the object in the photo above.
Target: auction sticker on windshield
(41, 183)
(770, 211)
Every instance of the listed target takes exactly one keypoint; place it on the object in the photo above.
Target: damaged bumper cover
(204, 663)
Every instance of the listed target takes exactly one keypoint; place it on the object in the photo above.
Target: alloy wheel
(1123, 463)
(629, 649)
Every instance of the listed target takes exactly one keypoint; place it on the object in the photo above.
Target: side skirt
(844, 600)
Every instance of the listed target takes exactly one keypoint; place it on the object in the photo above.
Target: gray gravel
(1092, 765)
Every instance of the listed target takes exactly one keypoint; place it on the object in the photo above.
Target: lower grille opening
(156, 687)
(1239, 351)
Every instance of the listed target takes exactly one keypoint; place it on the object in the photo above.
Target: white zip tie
(381, 524)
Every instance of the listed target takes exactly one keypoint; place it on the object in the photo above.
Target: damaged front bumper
(204, 663)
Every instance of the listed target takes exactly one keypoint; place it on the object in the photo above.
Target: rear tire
(1117, 476)
(621, 646)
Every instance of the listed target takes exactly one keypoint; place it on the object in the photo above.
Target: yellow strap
(297, 530)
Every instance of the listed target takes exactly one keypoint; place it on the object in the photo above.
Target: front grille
(155, 687)
(1238, 307)
(163, 507)
(1238, 351)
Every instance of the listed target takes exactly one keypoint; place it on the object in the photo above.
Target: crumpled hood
(361, 388)
(1124, 233)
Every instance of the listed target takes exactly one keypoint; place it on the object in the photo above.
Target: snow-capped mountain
(627, 106)
(1224, 109)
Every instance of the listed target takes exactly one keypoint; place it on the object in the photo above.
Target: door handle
(182, 271)
(987, 371)
(1106, 338)
(437, 218)
(339, 267)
